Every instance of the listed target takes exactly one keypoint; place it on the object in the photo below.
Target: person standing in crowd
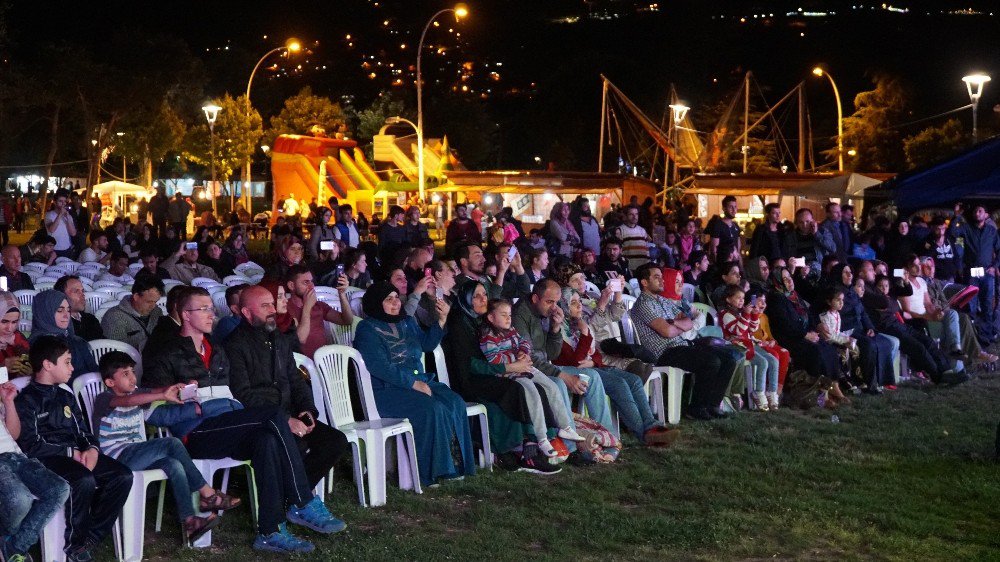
(17, 280)
(766, 240)
(724, 233)
(85, 324)
(461, 231)
(321, 232)
(81, 218)
(59, 224)
(416, 231)
(159, 207)
(838, 231)
(347, 231)
(563, 237)
(177, 213)
(982, 250)
(263, 373)
(20, 212)
(392, 233)
(634, 239)
(6, 218)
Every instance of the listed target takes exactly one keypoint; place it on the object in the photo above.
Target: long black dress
(789, 329)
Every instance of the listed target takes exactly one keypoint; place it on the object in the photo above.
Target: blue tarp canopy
(971, 175)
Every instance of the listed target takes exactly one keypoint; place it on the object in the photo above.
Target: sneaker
(79, 554)
(315, 516)
(772, 400)
(759, 401)
(538, 464)
(8, 555)
(545, 447)
(282, 541)
(570, 433)
(509, 461)
(951, 377)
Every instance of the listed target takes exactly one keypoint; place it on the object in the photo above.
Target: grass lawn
(908, 476)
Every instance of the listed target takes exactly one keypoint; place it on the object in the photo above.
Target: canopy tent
(120, 188)
(811, 185)
(846, 186)
(973, 174)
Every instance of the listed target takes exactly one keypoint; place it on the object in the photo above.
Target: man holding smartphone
(263, 373)
(982, 249)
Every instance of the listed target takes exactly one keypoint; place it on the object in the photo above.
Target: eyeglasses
(201, 309)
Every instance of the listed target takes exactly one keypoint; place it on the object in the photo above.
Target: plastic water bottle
(835, 419)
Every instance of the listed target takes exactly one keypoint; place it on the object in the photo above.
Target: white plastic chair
(343, 335)
(130, 525)
(221, 307)
(170, 284)
(99, 348)
(204, 282)
(44, 285)
(107, 284)
(332, 363)
(64, 259)
(37, 267)
(24, 324)
(25, 296)
(234, 280)
(47, 279)
(96, 299)
(162, 303)
(327, 294)
(472, 410)
(674, 377)
(134, 268)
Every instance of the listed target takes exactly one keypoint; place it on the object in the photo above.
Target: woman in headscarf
(234, 252)
(477, 380)
(50, 316)
(623, 388)
(788, 315)
(757, 270)
(288, 253)
(875, 351)
(392, 345)
(13, 344)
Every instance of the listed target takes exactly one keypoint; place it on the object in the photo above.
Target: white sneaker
(546, 448)
(773, 400)
(759, 400)
(569, 433)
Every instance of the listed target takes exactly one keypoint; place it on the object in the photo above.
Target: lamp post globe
(974, 84)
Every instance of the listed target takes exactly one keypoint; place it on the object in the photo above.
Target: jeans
(169, 455)
(594, 398)
(981, 307)
(765, 370)
(628, 395)
(96, 496)
(260, 435)
(21, 516)
(888, 362)
(534, 387)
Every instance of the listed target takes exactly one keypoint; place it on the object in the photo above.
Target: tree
(237, 135)
(935, 143)
(148, 139)
(871, 130)
(371, 120)
(304, 111)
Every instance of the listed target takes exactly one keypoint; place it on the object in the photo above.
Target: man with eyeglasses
(260, 434)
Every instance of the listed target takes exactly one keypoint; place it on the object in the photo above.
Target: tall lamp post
(679, 111)
(840, 117)
(460, 10)
(974, 83)
(292, 45)
(211, 114)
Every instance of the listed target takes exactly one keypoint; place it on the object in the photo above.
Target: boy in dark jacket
(54, 431)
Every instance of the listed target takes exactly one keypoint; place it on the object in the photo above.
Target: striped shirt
(119, 427)
(635, 244)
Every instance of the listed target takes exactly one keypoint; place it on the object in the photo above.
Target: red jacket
(570, 357)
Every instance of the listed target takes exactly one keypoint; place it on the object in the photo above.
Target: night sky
(555, 67)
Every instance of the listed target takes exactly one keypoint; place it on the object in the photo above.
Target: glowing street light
(211, 114)
(974, 83)
(678, 111)
(840, 117)
(460, 11)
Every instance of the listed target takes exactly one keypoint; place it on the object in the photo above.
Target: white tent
(119, 192)
(850, 186)
(113, 188)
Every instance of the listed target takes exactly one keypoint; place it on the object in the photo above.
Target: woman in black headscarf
(50, 316)
(392, 345)
(476, 380)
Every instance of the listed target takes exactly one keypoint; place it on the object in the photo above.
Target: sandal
(219, 501)
(195, 527)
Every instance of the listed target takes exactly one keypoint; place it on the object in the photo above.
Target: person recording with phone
(183, 266)
(982, 249)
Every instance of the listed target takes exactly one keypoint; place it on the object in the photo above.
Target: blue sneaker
(282, 541)
(316, 516)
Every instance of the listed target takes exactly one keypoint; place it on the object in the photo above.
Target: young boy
(119, 416)
(21, 517)
(54, 431)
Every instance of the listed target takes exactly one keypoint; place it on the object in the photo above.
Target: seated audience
(137, 315)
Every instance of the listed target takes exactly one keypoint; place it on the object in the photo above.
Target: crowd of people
(556, 331)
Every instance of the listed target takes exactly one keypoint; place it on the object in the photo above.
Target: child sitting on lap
(503, 345)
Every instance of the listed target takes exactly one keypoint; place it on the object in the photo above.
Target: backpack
(804, 391)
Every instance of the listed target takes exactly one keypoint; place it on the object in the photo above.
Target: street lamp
(840, 117)
(679, 111)
(211, 114)
(976, 81)
(461, 11)
(292, 45)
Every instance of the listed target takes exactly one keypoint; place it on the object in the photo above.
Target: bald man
(263, 373)
(16, 279)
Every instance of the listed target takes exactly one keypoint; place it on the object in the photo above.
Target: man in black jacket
(17, 280)
(54, 431)
(259, 434)
(263, 373)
